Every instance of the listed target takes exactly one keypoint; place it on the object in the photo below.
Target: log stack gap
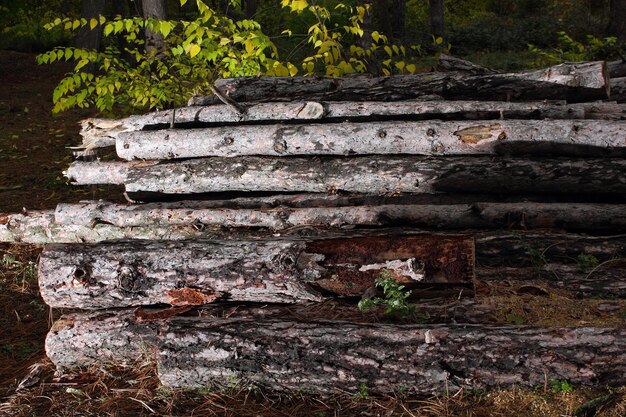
(306, 192)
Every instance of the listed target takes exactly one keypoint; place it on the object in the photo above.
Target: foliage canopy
(123, 77)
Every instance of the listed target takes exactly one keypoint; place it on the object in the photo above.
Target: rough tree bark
(100, 221)
(617, 20)
(154, 9)
(90, 38)
(98, 133)
(480, 215)
(556, 137)
(575, 82)
(331, 357)
(377, 175)
(436, 14)
(280, 270)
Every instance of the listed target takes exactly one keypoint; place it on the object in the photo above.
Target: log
(100, 338)
(536, 249)
(93, 222)
(380, 174)
(331, 357)
(280, 270)
(604, 282)
(480, 215)
(125, 336)
(618, 89)
(560, 137)
(574, 82)
(616, 69)
(450, 63)
(98, 133)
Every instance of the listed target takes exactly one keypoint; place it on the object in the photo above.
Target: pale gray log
(99, 133)
(394, 137)
(100, 338)
(380, 174)
(123, 337)
(451, 63)
(480, 215)
(39, 227)
(574, 82)
(330, 357)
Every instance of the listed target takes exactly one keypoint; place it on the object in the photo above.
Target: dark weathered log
(616, 69)
(583, 282)
(124, 336)
(533, 249)
(39, 227)
(380, 174)
(451, 63)
(200, 272)
(574, 82)
(394, 137)
(331, 357)
(618, 89)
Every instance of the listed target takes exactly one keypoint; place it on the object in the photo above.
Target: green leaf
(93, 23)
(194, 50)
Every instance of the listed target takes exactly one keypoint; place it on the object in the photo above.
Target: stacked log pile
(297, 191)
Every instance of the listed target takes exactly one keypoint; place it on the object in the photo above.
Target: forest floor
(33, 154)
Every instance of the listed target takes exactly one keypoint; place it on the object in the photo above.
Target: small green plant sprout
(362, 393)
(586, 262)
(560, 386)
(395, 297)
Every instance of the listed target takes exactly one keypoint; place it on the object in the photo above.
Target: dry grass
(134, 391)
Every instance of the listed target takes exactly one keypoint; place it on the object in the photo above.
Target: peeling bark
(559, 137)
(385, 174)
(574, 82)
(329, 357)
(280, 270)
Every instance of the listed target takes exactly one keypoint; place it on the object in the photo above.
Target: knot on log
(131, 280)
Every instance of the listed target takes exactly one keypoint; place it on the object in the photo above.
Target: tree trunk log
(98, 133)
(98, 222)
(451, 63)
(436, 14)
(286, 271)
(616, 69)
(536, 249)
(331, 357)
(481, 215)
(618, 89)
(574, 82)
(383, 174)
(561, 137)
(103, 337)
(604, 282)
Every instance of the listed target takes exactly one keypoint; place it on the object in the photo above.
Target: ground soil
(33, 154)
